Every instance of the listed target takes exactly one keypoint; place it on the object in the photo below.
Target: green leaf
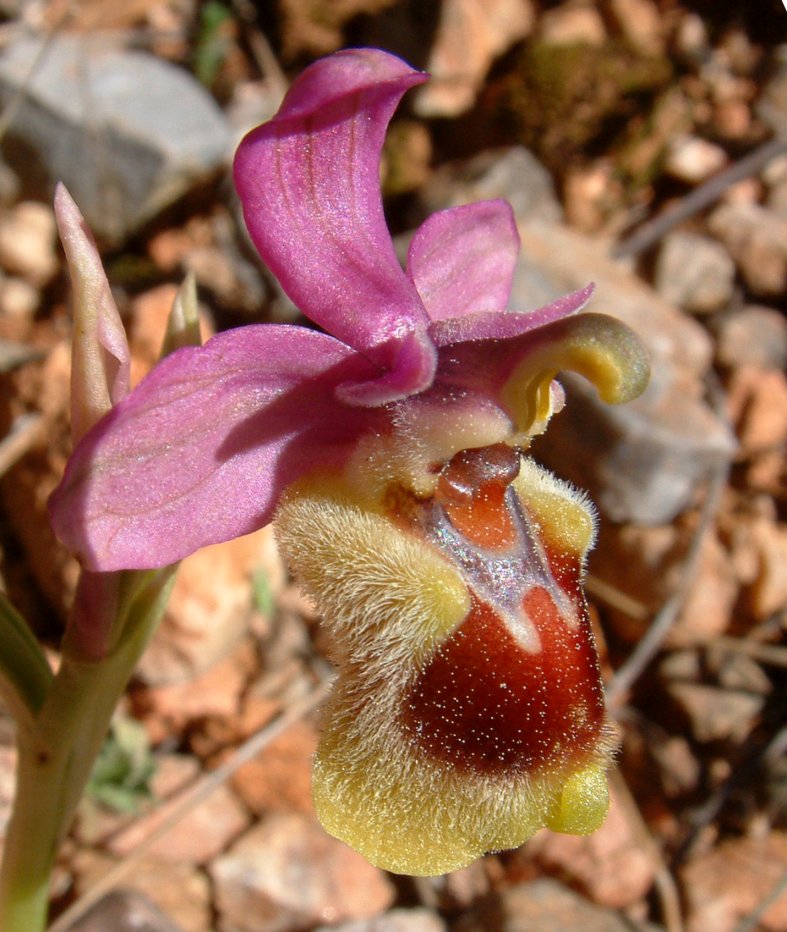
(25, 671)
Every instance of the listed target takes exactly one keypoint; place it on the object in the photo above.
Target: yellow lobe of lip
(581, 805)
(565, 514)
(379, 589)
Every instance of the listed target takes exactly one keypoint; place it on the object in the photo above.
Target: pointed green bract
(26, 676)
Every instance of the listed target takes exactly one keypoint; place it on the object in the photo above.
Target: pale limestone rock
(158, 897)
(753, 335)
(757, 240)
(124, 911)
(27, 242)
(128, 133)
(764, 544)
(215, 694)
(397, 920)
(19, 300)
(287, 873)
(716, 714)
(280, 779)
(641, 24)
(543, 905)
(576, 22)
(513, 174)
(209, 610)
(726, 886)
(694, 272)
(693, 160)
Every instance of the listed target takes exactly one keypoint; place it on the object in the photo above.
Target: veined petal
(502, 325)
(309, 181)
(462, 259)
(202, 449)
(516, 374)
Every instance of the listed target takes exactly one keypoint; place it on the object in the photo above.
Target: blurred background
(643, 146)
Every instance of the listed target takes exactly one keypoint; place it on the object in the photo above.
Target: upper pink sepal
(309, 182)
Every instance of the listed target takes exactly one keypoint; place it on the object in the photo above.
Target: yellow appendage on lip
(582, 805)
(602, 349)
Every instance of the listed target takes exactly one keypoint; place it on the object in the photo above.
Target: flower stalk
(58, 747)
(62, 718)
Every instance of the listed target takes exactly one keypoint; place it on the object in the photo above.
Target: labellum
(468, 711)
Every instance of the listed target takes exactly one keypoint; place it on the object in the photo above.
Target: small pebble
(694, 272)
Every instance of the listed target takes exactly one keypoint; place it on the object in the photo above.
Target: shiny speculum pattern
(516, 686)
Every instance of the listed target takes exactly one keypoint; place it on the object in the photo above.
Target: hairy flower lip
(446, 735)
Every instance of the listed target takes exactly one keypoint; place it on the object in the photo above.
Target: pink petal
(502, 325)
(462, 260)
(414, 369)
(514, 373)
(202, 449)
(309, 181)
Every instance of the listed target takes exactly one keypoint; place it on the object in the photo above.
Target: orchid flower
(388, 448)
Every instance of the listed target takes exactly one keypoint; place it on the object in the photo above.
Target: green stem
(57, 751)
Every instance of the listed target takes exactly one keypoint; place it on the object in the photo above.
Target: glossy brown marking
(565, 570)
(516, 687)
(485, 704)
(472, 490)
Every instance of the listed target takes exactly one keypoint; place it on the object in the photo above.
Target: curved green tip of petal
(607, 353)
(602, 349)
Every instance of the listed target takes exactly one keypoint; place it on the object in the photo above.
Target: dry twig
(653, 230)
(666, 617)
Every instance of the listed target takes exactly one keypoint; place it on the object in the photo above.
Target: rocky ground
(643, 145)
